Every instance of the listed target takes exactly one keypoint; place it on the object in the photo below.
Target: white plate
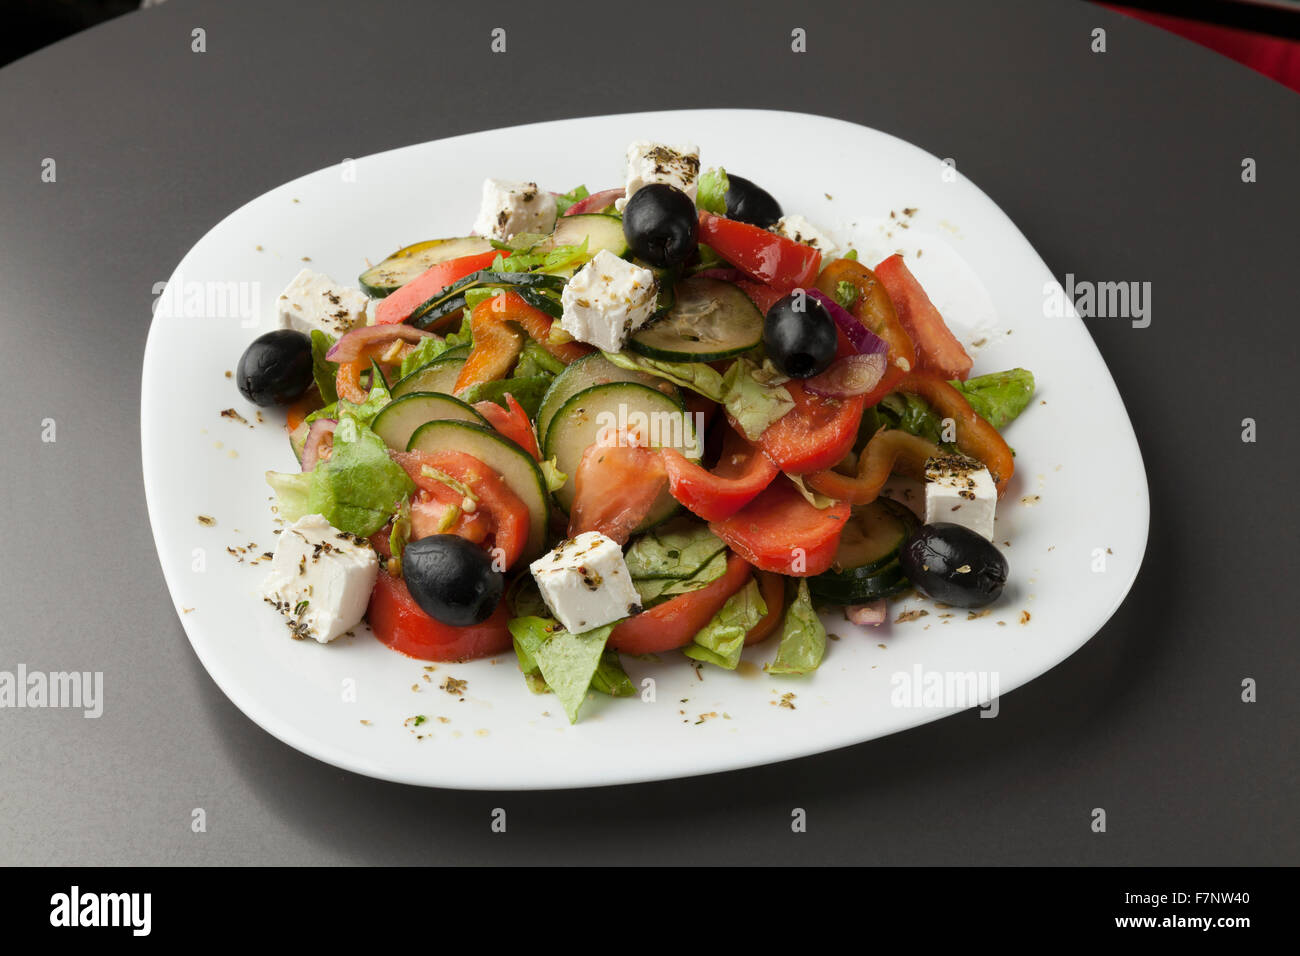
(1076, 453)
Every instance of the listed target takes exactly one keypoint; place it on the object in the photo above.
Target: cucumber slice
(298, 440)
(575, 426)
(600, 231)
(399, 419)
(515, 466)
(410, 262)
(437, 376)
(709, 320)
(866, 562)
(885, 582)
(593, 369)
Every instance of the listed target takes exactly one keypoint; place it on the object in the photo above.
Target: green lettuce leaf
(712, 191)
(554, 478)
(528, 392)
(291, 489)
(566, 661)
(911, 414)
(814, 498)
(534, 361)
(723, 638)
(323, 371)
(1000, 397)
(398, 537)
(565, 200)
(424, 353)
(654, 590)
(803, 639)
(610, 678)
(846, 294)
(697, 376)
(752, 403)
(674, 550)
(358, 487)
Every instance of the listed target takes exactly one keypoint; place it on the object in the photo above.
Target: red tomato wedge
(398, 306)
(937, 348)
(400, 623)
(675, 623)
(512, 422)
(766, 257)
(814, 435)
(763, 296)
(741, 473)
(779, 531)
(772, 587)
(499, 518)
(616, 486)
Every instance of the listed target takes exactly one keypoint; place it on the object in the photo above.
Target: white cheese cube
(585, 582)
(649, 162)
(606, 300)
(511, 208)
(800, 229)
(315, 301)
(321, 578)
(960, 490)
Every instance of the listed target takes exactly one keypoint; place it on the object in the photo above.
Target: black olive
(276, 368)
(955, 565)
(661, 225)
(452, 579)
(800, 335)
(751, 203)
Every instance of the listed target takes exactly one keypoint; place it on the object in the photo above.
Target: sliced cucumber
(709, 320)
(399, 419)
(593, 369)
(599, 230)
(866, 562)
(298, 440)
(515, 466)
(437, 376)
(410, 262)
(575, 426)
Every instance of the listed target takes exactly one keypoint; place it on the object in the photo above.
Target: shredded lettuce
(424, 353)
(814, 498)
(675, 550)
(846, 294)
(723, 638)
(399, 536)
(323, 371)
(712, 192)
(999, 397)
(567, 662)
(803, 639)
(455, 484)
(551, 474)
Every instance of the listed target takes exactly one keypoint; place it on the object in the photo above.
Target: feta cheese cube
(585, 582)
(649, 162)
(960, 490)
(801, 230)
(315, 301)
(606, 300)
(511, 208)
(321, 578)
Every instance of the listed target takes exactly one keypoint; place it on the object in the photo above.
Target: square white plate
(1075, 515)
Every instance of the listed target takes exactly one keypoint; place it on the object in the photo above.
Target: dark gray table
(1118, 166)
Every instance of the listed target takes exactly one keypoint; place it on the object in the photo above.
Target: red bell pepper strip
(764, 256)
(398, 306)
(512, 422)
(497, 342)
(937, 348)
(741, 474)
(975, 437)
(873, 309)
(889, 450)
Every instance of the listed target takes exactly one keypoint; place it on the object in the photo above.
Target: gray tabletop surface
(1124, 165)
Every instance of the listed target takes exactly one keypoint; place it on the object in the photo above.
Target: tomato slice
(816, 434)
(675, 623)
(616, 485)
(975, 437)
(741, 473)
(500, 519)
(780, 531)
(937, 348)
(772, 587)
(512, 422)
(763, 296)
(401, 624)
(398, 306)
(764, 256)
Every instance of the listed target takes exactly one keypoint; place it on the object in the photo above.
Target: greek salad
(646, 420)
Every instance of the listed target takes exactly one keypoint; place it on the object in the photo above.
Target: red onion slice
(867, 615)
(595, 202)
(849, 376)
(863, 339)
(319, 436)
(351, 346)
